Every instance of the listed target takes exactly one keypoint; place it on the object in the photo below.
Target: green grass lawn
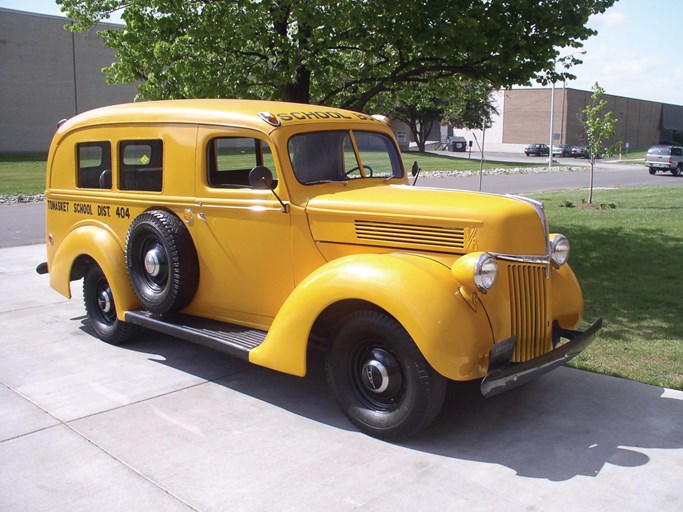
(628, 261)
(22, 173)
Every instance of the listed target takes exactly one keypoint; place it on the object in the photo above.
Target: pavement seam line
(66, 423)
(131, 468)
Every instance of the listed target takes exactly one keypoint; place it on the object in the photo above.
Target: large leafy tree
(341, 52)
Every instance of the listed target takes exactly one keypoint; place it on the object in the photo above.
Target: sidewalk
(164, 425)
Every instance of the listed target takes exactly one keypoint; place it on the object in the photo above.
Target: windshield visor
(321, 157)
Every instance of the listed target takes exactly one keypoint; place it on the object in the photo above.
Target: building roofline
(54, 17)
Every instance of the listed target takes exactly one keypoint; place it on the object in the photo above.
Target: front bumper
(516, 374)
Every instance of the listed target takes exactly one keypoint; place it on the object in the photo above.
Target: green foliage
(628, 263)
(341, 52)
(600, 129)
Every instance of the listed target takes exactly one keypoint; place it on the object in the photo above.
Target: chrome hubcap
(380, 379)
(375, 376)
(104, 301)
(153, 261)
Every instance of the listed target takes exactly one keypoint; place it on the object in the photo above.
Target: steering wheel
(366, 168)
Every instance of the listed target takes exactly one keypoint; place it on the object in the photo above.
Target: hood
(419, 219)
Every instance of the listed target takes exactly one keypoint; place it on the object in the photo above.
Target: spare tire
(162, 262)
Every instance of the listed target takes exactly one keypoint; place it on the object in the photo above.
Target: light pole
(552, 106)
(552, 119)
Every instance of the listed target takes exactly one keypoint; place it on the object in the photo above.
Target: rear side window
(659, 150)
(141, 165)
(231, 159)
(677, 151)
(94, 165)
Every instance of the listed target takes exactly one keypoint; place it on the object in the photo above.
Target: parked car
(583, 152)
(562, 150)
(580, 152)
(665, 158)
(254, 227)
(536, 150)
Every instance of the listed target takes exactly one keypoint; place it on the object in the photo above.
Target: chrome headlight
(476, 271)
(485, 272)
(559, 249)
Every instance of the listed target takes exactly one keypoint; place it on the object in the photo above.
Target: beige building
(48, 73)
(524, 118)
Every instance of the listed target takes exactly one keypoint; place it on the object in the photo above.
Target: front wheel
(101, 310)
(380, 379)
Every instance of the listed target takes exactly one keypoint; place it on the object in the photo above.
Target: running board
(231, 339)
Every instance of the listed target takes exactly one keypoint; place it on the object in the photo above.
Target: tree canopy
(336, 52)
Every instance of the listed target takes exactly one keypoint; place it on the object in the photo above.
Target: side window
(94, 165)
(141, 165)
(230, 159)
(677, 151)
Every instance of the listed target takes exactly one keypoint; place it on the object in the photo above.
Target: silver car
(665, 158)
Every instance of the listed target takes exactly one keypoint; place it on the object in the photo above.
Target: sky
(635, 54)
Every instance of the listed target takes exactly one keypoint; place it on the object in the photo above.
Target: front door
(244, 233)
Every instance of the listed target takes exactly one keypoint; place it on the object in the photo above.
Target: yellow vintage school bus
(256, 228)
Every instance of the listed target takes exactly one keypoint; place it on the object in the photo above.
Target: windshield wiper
(341, 182)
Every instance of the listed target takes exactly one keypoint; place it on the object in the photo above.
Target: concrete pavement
(160, 424)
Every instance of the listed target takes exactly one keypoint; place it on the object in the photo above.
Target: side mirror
(261, 178)
(415, 169)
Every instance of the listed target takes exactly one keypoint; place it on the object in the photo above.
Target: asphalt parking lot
(164, 425)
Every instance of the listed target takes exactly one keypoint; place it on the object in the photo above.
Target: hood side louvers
(410, 234)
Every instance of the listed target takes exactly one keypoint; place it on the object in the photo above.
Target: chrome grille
(529, 311)
(412, 234)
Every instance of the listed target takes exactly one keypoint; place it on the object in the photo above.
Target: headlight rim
(555, 240)
(484, 282)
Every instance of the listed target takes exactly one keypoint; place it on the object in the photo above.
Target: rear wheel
(678, 170)
(380, 379)
(653, 170)
(101, 309)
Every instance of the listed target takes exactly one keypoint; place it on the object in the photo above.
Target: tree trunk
(298, 91)
(590, 184)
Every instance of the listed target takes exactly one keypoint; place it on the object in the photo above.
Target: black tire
(678, 170)
(162, 262)
(101, 310)
(380, 379)
(653, 170)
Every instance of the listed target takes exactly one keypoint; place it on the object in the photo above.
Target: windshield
(321, 157)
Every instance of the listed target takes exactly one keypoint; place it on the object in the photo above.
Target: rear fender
(419, 292)
(101, 246)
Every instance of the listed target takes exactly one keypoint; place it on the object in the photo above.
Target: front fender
(419, 292)
(567, 297)
(100, 245)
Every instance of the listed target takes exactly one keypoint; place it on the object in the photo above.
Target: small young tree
(599, 131)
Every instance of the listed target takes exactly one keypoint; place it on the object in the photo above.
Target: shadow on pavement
(569, 423)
